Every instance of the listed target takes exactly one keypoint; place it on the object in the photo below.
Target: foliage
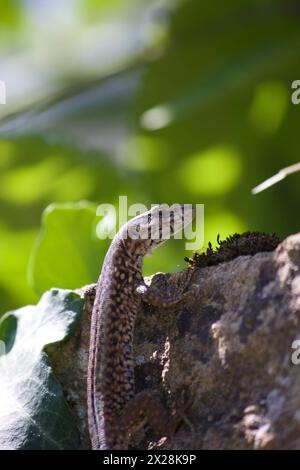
(67, 247)
(187, 103)
(33, 411)
(172, 101)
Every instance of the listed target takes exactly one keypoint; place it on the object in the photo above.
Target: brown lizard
(114, 411)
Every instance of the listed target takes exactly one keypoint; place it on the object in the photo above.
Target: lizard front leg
(154, 295)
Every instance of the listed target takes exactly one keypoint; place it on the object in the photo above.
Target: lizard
(114, 411)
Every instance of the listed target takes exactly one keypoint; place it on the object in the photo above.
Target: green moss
(248, 243)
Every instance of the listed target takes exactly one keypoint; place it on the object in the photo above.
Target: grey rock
(222, 361)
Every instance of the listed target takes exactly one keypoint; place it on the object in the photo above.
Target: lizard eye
(149, 218)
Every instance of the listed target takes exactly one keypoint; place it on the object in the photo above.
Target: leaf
(227, 78)
(33, 411)
(92, 116)
(67, 250)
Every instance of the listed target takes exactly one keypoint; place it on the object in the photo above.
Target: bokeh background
(162, 101)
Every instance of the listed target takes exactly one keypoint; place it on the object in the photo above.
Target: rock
(222, 361)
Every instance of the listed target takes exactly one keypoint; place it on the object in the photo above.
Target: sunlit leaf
(33, 411)
(213, 172)
(269, 106)
(67, 253)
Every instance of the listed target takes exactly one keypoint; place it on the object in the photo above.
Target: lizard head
(154, 227)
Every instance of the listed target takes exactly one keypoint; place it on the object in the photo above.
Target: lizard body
(113, 408)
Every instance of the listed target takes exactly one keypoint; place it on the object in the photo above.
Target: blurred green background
(162, 101)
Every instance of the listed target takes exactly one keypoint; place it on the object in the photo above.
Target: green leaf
(227, 78)
(33, 411)
(67, 253)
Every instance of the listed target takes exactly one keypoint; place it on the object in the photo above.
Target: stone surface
(222, 362)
